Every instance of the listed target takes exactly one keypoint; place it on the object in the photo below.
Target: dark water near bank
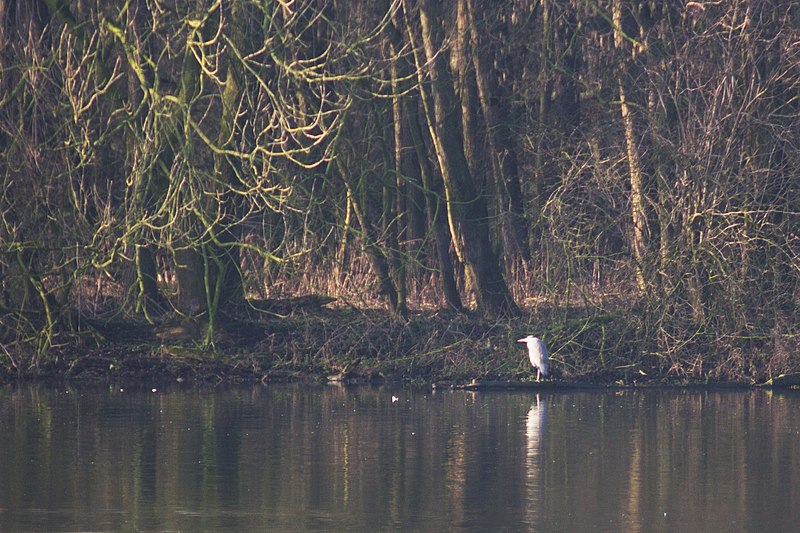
(300, 458)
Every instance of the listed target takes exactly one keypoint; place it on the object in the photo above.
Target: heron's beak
(522, 340)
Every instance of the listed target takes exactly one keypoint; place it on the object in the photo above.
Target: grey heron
(537, 353)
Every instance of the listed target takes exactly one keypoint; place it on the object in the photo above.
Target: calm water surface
(306, 458)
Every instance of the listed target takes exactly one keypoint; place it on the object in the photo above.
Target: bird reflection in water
(535, 433)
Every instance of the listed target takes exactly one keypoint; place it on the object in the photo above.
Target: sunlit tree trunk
(437, 213)
(391, 215)
(467, 208)
(400, 208)
(415, 164)
(638, 213)
(377, 256)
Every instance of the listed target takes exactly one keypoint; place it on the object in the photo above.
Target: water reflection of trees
(307, 458)
(677, 459)
(289, 457)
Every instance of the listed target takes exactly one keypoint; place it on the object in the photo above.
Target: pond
(330, 458)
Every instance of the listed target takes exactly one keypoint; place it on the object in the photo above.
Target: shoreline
(351, 347)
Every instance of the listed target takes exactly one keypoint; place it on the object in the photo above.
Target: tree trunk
(391, 214)
(378, 258)
(437, 216)
(141, 273)
(207, 262)
(502, 153)
(638, 214)
(466, 96)
(467, 209)
(423, 181)
(228, 166)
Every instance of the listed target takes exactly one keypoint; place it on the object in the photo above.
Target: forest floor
(296, 341)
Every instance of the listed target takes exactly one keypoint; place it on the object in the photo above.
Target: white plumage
(537, 352)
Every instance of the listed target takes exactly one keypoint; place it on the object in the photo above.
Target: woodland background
(621, 167)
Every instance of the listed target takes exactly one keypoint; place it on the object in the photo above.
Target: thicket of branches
(624, 156)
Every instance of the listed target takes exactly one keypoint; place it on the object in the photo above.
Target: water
(305, 458)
